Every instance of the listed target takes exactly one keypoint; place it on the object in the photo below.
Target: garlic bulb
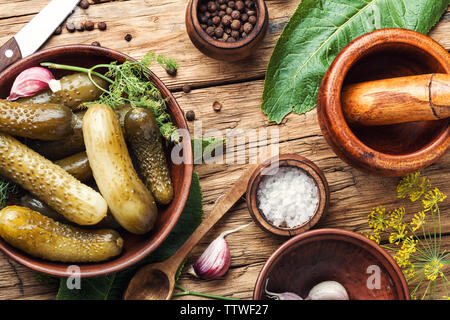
(215, 260)
(281, 296)
(328, 290)
(31, 81)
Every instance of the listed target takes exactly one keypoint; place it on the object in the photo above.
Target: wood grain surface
(159, 26)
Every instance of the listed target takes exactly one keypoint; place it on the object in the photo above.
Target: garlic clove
(31, 81)
(215, 260)
(328, 290)
(281, 296)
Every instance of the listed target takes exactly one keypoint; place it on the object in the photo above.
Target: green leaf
(112, 287)
(315, 34)
(204, 148)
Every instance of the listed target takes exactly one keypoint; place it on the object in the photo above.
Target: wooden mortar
(388, 150)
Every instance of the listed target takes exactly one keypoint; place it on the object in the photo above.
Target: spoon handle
(221, 207)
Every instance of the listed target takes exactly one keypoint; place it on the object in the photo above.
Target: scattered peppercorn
(186, 88)
(227, 20)
(101, 26)
(89, 25)
(217, 106)
(84, 4)
(172, 72)
(70, 27)
(128, 37)
(96, 43)
(190, 115)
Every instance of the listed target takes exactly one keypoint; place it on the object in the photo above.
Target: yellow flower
(375, 236)
(446, 297)
(397, 218)
(430, 203)
(433, 269)
(399, 234)
(413, 186)
(418, 220)
(378, 219)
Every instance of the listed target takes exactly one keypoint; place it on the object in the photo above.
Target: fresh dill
(129, 85)
(6, 189)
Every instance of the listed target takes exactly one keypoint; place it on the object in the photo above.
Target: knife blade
(31, 37)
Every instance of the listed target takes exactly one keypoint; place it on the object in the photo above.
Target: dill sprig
(129, 85)
(6, 189)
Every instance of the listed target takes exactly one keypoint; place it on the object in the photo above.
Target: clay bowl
(229, 51)
(392, 150)
(135, 247)
(332, 254)
(268, 167)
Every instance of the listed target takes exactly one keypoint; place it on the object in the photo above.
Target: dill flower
(378, 219)
(431, 199)
(418, 220)
(413, 186)
(396, 218)
(398, 235)
(433, 269)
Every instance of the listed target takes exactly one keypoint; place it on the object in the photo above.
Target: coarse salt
(287, 198)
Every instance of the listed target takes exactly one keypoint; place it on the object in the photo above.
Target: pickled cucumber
(130, 202)
(77, 165)
(75, 89)
(145, 140)
(37, 121)
(74, 200)
(45, 238)
(35, 204)
(67, 146)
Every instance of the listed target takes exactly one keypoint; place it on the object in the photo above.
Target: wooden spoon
(157, 281)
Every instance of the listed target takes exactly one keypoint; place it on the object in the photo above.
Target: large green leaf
(111, 287)
(315, 34)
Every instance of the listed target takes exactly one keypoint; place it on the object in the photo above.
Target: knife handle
(9, 53)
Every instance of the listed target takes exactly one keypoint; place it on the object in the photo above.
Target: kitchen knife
(36, 32)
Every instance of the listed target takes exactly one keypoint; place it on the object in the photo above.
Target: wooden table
(159, 26)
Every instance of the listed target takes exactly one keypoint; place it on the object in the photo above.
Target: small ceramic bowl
(362, 267)
(281, 161)
(391, 150)
(229, 51)
(135, 247)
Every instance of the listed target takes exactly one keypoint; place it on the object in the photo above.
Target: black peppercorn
(226, 20)
(96, 43)
(218, 32)
(235, 25)
(190, 115)
(252, 19)
(239, 5)
(128, 37)
(228, 11)
(203, 19)
(249, 3)
(84, 4)
(248, 27)
(217, 106)
(235, 34)
(235, 15)
(222, 13)
(89, 25)
(210, 30)
(171, 72)
(70, 27)
(216, 20)
(231, 4)
(203, 8)
(102, 26)
(186, 88)
(244, 17)
(212, 6)
(222, 1)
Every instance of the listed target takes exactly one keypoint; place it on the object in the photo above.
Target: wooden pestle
(397, 100)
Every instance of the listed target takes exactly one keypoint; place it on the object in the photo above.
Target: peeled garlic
(215, 260)
(328, 290)
(31, 81)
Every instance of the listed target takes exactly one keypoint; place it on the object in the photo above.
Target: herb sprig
(129, 85)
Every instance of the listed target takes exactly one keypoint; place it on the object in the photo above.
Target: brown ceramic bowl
(135, 247)
(281, 161)
(230, 51)
(332, 254)
(391, 150)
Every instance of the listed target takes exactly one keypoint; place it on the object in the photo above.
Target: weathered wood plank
(159, 26)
